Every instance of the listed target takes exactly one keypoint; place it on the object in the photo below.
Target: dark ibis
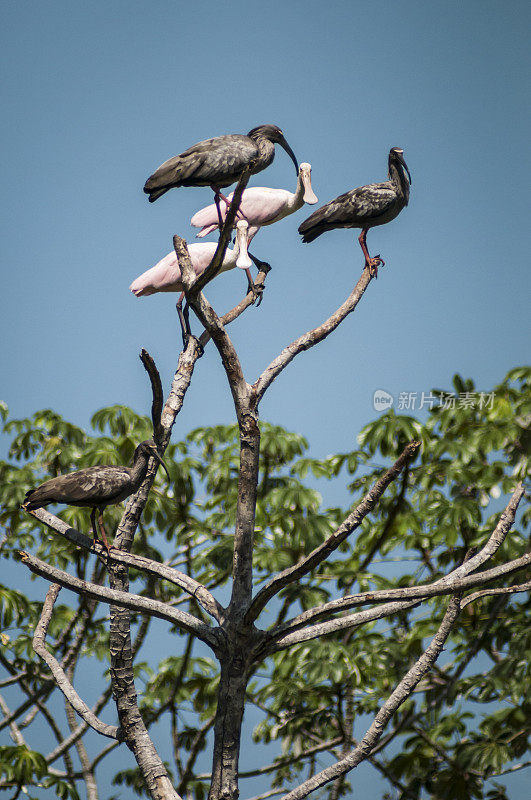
(364, 208)
(218, 162)
(95, 487)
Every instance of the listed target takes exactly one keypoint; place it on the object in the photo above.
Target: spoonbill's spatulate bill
(218, 162)
(261, 205)
(166, 276)
(364, 207)
(95, 487)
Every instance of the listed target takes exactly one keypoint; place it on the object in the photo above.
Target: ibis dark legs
(374, 262)
(218, 209)
(219, 195)
(103, 539)
(102, 529)
(262, 266)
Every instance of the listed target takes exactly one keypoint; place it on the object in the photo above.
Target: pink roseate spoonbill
(261, 205)
(218, 162)
(364, 208)
(96, 487)
(165, 276)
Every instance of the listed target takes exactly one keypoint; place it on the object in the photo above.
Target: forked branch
(458, 579)
(146, 565)
(311, 338)
(322, 552)
(121, 599)
(394, 701)
(59, 674)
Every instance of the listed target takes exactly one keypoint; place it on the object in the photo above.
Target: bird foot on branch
(186, 340)
(373, 264)
(257, 292)
(103, 543)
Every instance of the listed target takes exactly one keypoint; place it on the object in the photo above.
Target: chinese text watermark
(416, 401)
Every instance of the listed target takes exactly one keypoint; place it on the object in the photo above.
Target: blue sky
(97, 95)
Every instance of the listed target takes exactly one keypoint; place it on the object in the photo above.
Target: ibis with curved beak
(365, 207)
(96, 487)
(219, 162)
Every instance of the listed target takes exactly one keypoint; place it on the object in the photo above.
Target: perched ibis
(364, 207)
(218, 162)
(95, 487)
(165, 276)
(261, 205)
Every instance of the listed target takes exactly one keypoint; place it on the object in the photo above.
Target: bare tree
(232, 633)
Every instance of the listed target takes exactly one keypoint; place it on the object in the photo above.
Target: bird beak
(283, 143)
(161, 462)
(242, 231)
(309, 196)
(401, 159)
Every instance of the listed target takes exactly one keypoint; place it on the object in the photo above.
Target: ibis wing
(171, 173)
(358, 205)
(91, 486)
(204, 163)
(368, 203)
(355, 209)
(224, 159)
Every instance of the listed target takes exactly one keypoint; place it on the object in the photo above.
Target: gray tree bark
(232, 635)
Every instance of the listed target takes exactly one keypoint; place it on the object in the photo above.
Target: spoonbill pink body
(260, 205)
(166, 276)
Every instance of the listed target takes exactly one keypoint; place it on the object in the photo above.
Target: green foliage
(471, 719)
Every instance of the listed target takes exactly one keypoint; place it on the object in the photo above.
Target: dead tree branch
(111, 731)
(156, 388)
(322, 552)
(394, 701)
(311, 338)
(132, 602)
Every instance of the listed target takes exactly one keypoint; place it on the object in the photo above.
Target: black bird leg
(220, 219)
(184, 319)
(255, 290)
(262, 266)
(374, 262)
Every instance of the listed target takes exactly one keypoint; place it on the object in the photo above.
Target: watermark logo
(416, 401)
(382, 400)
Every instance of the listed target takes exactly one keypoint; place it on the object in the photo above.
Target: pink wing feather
(260, 205)
(165, 276)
